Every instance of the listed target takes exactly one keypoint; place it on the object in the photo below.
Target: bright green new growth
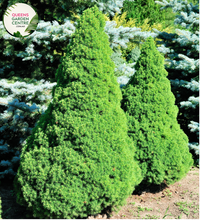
(162, 147)
(79, 158)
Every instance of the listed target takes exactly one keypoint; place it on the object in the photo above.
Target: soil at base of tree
(177, 201)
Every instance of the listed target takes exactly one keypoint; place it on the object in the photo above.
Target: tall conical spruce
(79, 158)
(161, 146)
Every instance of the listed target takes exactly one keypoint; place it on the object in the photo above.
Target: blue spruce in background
(21, 105)
(134, 55)
(182, 53)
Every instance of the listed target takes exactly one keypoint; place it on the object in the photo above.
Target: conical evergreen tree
(162, 147)
(79, 158)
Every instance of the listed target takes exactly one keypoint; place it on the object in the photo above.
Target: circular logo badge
(20, 20)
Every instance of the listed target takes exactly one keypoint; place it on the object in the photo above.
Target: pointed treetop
(150, 59)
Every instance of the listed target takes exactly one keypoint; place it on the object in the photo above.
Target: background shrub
(182, 52)
(142, 9)
(138, 39)
(19, 114)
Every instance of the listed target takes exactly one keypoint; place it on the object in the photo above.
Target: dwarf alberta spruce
(162, 147)
(79, 158)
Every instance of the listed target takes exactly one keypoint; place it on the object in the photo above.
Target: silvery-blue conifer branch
(194, 127)
(19, 89)
(119, 37)
(14, 121)
(186, 38)
(123, 80)
(195, 147)
(45, 33)
(17, 110)
(178, 5)
(6, 164)
(193, 85)
(193, 102)
(125, 69)
(187, 65)
(182, 37)
(182, 50)
(187, 21)
(122, 35)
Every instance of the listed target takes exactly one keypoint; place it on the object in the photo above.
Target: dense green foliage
(142, 9)
(162, 147)
(79, 158)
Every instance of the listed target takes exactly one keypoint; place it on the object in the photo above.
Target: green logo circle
(20, 20)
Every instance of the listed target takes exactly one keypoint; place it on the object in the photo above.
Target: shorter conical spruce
(161, 146)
